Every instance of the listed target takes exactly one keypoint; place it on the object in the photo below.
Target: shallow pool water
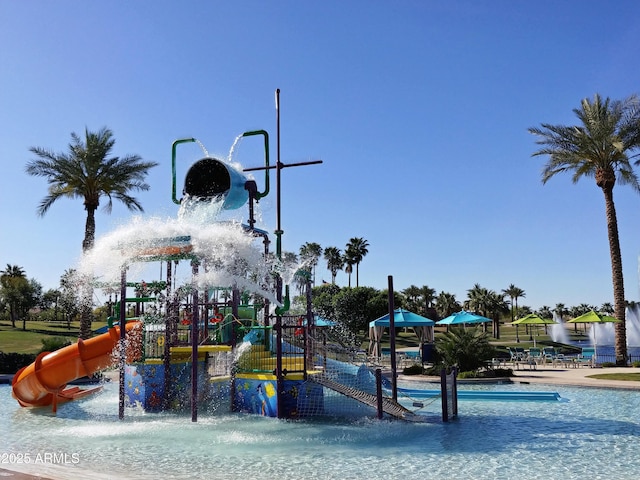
(595, 435)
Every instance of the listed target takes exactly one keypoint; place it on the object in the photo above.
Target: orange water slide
(44, 382)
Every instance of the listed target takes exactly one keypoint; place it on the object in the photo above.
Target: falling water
(232, 150)
(204, 149)
(558, 330)
(229, 254)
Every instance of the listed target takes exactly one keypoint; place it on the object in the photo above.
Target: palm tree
(356, 251)
(607, 308)
(446, 304)
(427, 296)
(88, 171)
(348, 269)
(335, 262)
(599, 147)
(560, 310)
(310, 252)
(412, 294)
(514, 293)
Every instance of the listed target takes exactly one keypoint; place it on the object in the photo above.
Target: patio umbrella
(423, 328)
(463, 317)
(533, 319)
(593, 317)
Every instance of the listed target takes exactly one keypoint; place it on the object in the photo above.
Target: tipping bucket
(210, 178)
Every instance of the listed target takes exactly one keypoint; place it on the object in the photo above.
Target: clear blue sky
(419, 110)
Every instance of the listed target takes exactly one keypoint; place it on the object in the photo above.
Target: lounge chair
(535, 355)
(548, 355)
(587, 357)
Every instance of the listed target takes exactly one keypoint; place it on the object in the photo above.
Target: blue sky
(418, 109)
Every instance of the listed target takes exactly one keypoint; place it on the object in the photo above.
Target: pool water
(594, 435)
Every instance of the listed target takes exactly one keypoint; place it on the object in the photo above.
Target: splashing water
(228, 254)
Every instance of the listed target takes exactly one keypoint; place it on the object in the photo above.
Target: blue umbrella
(402, 318)
(463, 317)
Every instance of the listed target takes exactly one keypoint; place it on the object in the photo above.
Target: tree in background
(600, 147)
(514, 293)
(310, 253)
(335, 261)
(89, 172)
(446, 304)
(356, 250)
(13, 287)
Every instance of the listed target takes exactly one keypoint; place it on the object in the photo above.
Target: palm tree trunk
(618, 282)
(86, 310)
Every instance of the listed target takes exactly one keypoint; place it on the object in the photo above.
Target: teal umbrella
(463, 317)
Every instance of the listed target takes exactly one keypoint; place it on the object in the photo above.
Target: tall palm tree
(335, 262)
(357, 249)
(310, 253)
(89, 172)
(514, 293)
(427, 296)
(600, 147)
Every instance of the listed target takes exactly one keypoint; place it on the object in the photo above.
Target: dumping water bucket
(209, 178)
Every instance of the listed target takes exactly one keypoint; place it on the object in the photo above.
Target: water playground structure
(211, 344)
(225, 341)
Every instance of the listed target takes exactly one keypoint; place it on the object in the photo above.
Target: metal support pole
(379, 393)
(392, 342)
(194, 345)
(168, 340)
(123, 337)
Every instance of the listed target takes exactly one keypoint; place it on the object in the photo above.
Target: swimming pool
(594, 435)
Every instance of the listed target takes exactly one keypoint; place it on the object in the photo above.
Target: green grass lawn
(16, 340)
(631, 377)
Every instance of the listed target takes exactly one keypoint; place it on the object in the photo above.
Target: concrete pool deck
(576, 377)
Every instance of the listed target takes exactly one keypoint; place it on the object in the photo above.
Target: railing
(258, 353)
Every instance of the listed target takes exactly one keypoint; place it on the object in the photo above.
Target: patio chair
(560, 359)
(548, 355)
(535, 355)
(587, 357)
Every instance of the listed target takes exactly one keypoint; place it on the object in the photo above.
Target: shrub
(12, 362)
(413, 370)
(51, 344)
(468, 349)
(636, 364)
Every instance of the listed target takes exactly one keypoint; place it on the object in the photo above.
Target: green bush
(608, 364)
(413, 370)
(635, 364)
(51, 344)
(12, 362)
(468, 349)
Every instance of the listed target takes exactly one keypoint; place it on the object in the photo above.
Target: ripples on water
(594, 435)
